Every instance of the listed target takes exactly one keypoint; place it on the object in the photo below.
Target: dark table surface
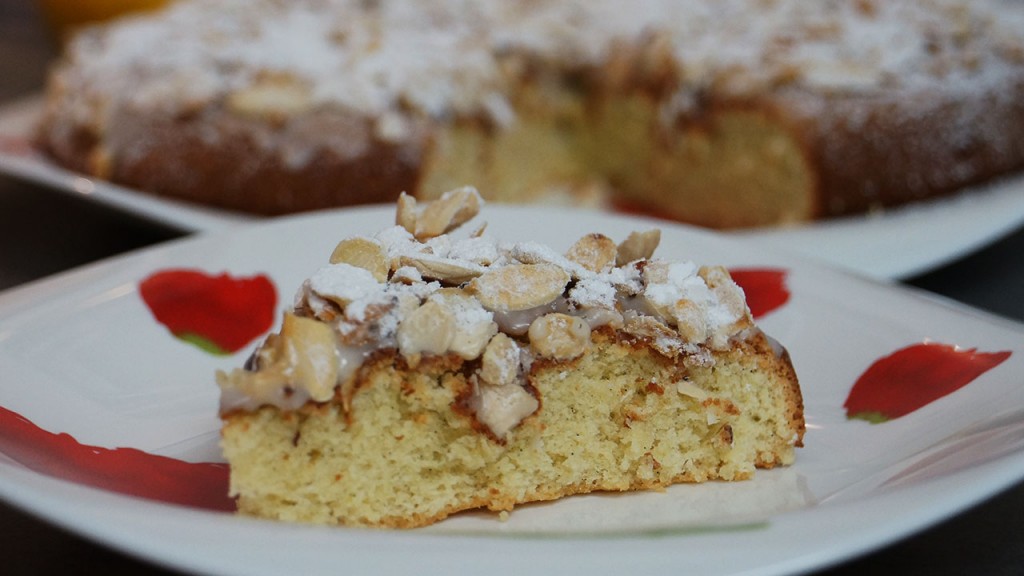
(43, 232)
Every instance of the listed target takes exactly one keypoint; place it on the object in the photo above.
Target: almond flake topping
(519, 286)
(416, 289)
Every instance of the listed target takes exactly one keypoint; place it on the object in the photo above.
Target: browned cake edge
(861, 153)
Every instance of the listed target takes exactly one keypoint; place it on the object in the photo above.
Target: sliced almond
(638, 246)
(536, 253)
(559, 336)
(363, 253)
(519, 286)
(444, 269)
(687, 388)
(407, 275)
(448, 212)
(405, 214)
(595, 252)
(479, 231)
(273, 98)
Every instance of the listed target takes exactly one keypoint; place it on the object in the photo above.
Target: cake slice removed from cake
(421, 373)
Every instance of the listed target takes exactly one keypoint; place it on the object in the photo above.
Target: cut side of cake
(422, 373)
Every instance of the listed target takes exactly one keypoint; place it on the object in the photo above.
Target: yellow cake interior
(731, 167)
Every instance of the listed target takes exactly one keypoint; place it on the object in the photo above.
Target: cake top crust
(444, 57)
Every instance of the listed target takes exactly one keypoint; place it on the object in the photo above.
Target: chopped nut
(719, 411)
(443, 269)
(638, 246)
(479, 232)
(663, 338)
(474, 325)
(690, 322)
(502, 408)
(534, 253)
(469, 341)
(342, 283)
(448, 212)
(674, 293)
(407, 275)
(725, 435)
(687, 388)
(475, 250)
(405, 214)
(428, 329)
(656, 272)
(728, 293)
(275, 98)
(559, 336)
(597, 316)
(363, 253)
(595, 252)
(358, 329)
(304, 345)
(499, 365)
(519, 286)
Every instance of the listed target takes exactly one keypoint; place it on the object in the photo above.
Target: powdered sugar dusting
(503, 279)
(541, 303)
(440, 58)
(344, 283)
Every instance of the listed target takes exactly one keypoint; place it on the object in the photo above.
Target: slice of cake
(420, 374)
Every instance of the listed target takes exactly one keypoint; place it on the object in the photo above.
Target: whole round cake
(722, 113)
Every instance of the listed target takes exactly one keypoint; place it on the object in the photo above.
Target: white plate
(82, 355)
(895, 244)
(21, 158)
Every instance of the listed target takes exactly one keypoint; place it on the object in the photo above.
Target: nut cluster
(417, 289)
